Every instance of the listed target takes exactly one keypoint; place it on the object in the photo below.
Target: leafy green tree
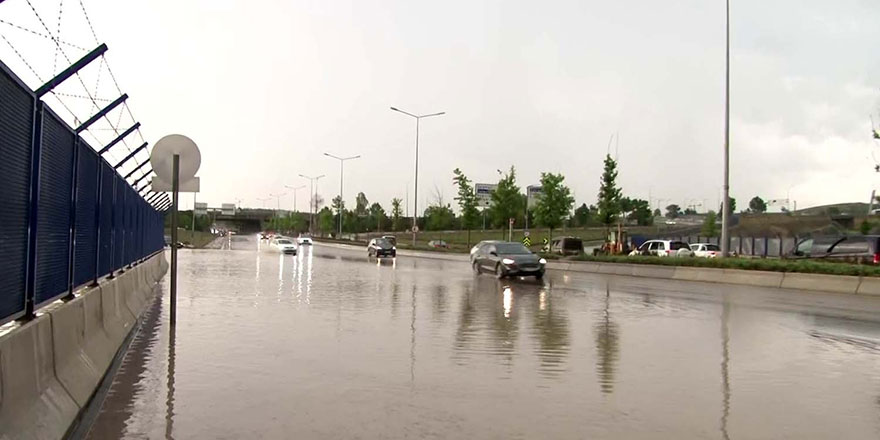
(583, 215)
(326, 220)
(506, 201)
(710, 229)
(439, 218)
(396, 213)
(555, 203)
(690, 211)
(609, 194)
(657, 212)
(377, 215)
(361, 204)
(732, 206)
(673, 211)
(467, 203)
(757, 205)
(640, 212)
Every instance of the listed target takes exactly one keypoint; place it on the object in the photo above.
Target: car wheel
(499, 272)
(476, 267)
(539, 275)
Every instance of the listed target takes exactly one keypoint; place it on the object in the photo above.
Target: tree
(609, 193)
(584, 214)
(506, 200)
(317, 201)
(732, 206)
(865, 227)
(640, 212)
(757, 205)
(326, 220)
(709, 227)
(673, 211)
(657, 212)
(361, 204)
(555, 203)
(690, 211)
(396, 213)
(467, 203)
(338, 204)
(377, 215)
(438, 218)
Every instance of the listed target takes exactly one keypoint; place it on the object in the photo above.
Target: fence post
(98, 206)
(30, 291)
(113, 231)
(72, 236)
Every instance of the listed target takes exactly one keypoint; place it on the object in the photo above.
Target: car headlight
(508, 261)
(393, 248)
(542, 261)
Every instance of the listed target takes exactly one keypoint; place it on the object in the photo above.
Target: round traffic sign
(162, 157)
(415, 229)
(526, 233)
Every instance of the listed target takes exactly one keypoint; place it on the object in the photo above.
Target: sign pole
(174, 201)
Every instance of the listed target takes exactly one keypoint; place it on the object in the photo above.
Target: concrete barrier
(869, 286)
(824, 283)
(51, 365)
(33, 403)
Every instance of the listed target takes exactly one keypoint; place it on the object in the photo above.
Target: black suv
(506, 259)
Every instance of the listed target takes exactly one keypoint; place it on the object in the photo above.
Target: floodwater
(327, 344)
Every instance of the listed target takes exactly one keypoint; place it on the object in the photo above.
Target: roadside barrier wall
(51, 366)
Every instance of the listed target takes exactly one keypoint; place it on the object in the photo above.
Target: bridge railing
(67, 218)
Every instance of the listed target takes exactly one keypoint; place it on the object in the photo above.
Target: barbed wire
(31, 31)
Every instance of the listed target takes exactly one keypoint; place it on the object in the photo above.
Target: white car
(664, 248)
(307, 241)
(706, 250)
(284, 245)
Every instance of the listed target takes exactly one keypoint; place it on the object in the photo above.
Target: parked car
(284, 245)
(505, 259)
(304, 241)
(438, 244)
(860, 249)
(706, 250)
(380, 247)
(567, 246)
(664, 248)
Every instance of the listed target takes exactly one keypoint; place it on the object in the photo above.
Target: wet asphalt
(331, 344)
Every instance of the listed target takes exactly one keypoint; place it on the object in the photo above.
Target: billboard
(201, 208)
(484, 193)
(227, 209)
(533, 194)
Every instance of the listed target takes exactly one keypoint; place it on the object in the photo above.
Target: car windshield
(712, 247)
(283, 242)
(384, 244)
(511, 249)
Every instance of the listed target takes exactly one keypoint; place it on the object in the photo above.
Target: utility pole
(312, 202)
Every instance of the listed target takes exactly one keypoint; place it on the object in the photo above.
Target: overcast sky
(265, 87)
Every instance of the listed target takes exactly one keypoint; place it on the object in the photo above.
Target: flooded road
(327, 344)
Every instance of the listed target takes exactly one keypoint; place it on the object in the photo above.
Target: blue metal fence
(67, 218)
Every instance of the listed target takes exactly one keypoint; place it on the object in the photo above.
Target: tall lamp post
(312, 201)
(725, 214)
(277, 201)
(341, 170)
(416, 189)
(294, 189)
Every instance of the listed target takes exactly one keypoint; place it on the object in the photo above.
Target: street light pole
(341, 170)
(295, 189)
(725, 215)
(416, 189)
(312, 202)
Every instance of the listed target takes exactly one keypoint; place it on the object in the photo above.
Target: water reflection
(169, 396)
(551, 325)
(607, 345)
(725, 365)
